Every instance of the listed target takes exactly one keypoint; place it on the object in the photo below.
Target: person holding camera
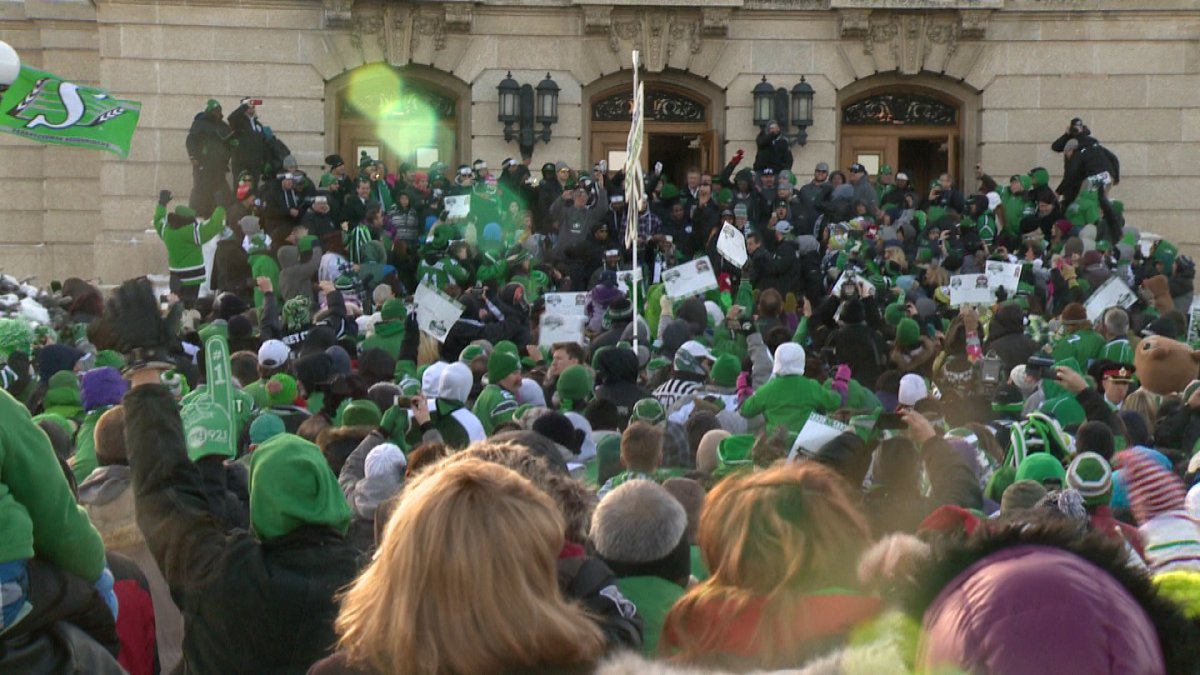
(250, 147)
(943, 196)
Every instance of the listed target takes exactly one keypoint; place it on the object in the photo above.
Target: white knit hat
(912, 390)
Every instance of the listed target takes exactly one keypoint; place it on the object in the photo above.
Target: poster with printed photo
(436, 311)
(691, 278)
(1003, 274)
(971, 289)
(566, 304)
(627, 278)
(558, 328)
(1112, 293)
(458, 206)
(731, 244)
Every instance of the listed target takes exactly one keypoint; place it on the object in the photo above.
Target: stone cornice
(338, 8)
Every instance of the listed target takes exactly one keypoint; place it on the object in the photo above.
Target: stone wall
(1131, 70)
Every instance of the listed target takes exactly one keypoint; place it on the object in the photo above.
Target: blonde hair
(1145, 404)
(465, 581)
(428, 350)
(937, 276)
(770, 536)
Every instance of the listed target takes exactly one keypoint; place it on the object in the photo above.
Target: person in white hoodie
(451, 416)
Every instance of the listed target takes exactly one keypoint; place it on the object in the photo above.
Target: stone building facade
(922, 84)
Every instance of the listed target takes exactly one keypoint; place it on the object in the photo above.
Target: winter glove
(104, 586)
(737, 157)
(142, 333)
(841, 382)
(164, 196)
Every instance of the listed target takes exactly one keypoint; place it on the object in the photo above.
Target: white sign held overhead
(817, 431)
(691, 278)
(1112, 293)
(731, 244)
(566, 304)
(458, 206)
(558, 328)
(436, 311)
(971, 289)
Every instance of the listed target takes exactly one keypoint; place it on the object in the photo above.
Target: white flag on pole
(633, 158)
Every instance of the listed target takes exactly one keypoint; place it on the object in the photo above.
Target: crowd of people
(824, 464)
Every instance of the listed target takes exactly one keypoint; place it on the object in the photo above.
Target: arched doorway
(923, 126)
(413, 114)
(683, 116)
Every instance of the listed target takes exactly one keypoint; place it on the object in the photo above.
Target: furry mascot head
(1165, 366)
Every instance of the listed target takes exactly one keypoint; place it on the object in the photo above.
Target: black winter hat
(240, 327)
(229, 305)
(558, 428)
(334, 161)
(314, 370)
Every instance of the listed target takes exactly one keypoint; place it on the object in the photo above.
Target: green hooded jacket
(291, 485)
(389, 336)
(38, 513)
(1016, 205)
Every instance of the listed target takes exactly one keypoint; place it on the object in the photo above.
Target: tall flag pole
(634, 185)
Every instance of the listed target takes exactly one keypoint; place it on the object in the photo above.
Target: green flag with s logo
(46, 108)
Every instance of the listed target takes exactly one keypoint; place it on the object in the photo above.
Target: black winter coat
(618, 368)
(251, 149)
(208, 142)
(951, 481)
(774, 152)
(1086, 161)
(226, 490)
(231, 270)
(248, 606)
(1178, 427)
(863, 349)
(1007, 338)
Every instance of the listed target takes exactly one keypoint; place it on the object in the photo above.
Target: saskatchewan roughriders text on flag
(46, 108)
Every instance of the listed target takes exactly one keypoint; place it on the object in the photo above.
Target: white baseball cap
(697, 350)
(273, 354)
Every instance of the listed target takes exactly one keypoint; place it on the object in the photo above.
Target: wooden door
(872, 151)
(710, 152)
(609, 146)
(398, 142)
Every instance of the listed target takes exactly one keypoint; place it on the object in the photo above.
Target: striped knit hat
(1091, 476)
(1153, 490)
(1157, 496)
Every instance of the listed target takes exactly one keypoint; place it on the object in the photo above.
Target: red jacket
(135, 620)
